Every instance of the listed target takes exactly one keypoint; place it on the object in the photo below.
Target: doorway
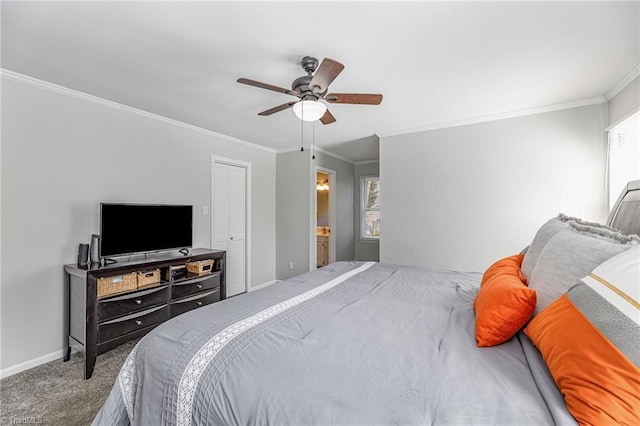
(230, 219)
(323, 229)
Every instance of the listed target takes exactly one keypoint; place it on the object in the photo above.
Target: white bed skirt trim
(200, 361)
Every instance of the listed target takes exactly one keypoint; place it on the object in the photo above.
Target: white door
(228, 222)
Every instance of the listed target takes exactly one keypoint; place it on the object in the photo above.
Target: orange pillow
(504, 303)
(599, 383)
(509, 265)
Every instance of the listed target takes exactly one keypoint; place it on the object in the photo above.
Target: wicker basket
(147, 278)
(200, 266)
(117, 284)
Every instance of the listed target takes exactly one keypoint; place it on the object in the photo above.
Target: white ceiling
(434, 62)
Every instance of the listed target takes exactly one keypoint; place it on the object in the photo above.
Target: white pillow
(618, 281)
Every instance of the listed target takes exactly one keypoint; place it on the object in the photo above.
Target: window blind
(623, 156)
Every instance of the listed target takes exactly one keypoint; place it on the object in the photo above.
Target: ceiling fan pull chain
(302, 129)
(313, 140)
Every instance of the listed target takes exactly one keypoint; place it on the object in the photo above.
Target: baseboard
(15, 369)
(263, 285)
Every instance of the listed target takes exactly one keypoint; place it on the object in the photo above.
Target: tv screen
(139, 228)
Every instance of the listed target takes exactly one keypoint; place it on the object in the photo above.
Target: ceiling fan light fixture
(313, 110)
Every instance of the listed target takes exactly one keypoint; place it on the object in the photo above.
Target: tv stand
(184, 251)
(95, 325)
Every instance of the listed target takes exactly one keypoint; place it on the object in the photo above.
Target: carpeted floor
(57, 394)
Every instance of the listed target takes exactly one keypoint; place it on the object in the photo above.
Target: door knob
(231, 238)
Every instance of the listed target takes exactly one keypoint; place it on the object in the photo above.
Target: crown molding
(41, 84)
(624, 82)
(494, 117)
(289, 149)
(334, 155)
(317, 149)
(357, 163)
(624, 118)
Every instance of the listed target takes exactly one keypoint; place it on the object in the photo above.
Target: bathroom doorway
(323, 223)
(322, 219)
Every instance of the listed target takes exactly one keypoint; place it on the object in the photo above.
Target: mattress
(351, 343)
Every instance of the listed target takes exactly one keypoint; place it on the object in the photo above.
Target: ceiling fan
(312, 88)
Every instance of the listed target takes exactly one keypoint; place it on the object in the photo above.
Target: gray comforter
(351, 343)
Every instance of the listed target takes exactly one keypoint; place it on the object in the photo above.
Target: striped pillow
(590, 340)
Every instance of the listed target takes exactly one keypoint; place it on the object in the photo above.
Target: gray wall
(462, 197)
(344, 204)
(293, 193)
(63, 154)
(295, 180)
(364, 249)
(625, 102)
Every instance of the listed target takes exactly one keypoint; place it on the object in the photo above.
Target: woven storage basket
(117, 284)
(200, 266)
(147, 278)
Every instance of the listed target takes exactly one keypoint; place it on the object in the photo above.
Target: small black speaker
(95, 248)
(83, 254)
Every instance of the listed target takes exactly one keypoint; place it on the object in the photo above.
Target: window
(623, 158)
(370, 212)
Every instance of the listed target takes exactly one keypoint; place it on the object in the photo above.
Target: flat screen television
(143, 228)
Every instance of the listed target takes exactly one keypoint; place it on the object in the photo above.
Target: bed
(375, 343)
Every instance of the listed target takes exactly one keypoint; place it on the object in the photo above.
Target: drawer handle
(138, 301)
(199, 285)
(199, 303)
(138, 322)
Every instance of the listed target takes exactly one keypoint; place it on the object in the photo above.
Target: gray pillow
(571, 254)
(544, 234)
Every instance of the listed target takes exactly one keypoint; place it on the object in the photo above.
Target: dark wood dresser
(153, 291)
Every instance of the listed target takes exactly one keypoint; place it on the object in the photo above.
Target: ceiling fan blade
(325, 74)
(354, 98)
(327, 118)
(278, 108)
(267, 86)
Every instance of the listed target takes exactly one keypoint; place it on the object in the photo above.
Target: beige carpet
(56, 393)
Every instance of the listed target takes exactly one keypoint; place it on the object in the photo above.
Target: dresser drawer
(193, 302)
(195, 285)
(132, 302)
(117, 327)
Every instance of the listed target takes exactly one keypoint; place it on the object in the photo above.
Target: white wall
(62, 154)
(364, 249)
(463, 197)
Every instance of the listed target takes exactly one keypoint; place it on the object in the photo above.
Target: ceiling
(435, 62)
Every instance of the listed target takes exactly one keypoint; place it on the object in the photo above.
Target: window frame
(364, 209)
(617, 132)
